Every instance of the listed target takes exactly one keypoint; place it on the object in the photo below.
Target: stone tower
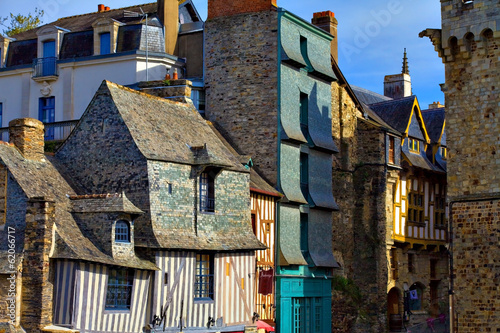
(398, 85)
(468, 45)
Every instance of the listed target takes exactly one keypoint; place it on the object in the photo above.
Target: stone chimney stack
(27, 135)
(398, 85)
(37, 295)
(328, 22)
(222, 8)
(176, 90)
(168, 11)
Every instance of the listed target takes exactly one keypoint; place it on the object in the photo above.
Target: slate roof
(152, 130)
(104, 203)
(369, 97)
(434, 123)
(84, 22)
(42, 179)
(395, 112)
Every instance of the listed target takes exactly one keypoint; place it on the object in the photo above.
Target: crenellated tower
(468, 45)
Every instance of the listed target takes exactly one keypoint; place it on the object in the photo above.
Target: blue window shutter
(105, 40)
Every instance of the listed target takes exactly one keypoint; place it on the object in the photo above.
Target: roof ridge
(119, 86)
(97, 12)
(393, 100)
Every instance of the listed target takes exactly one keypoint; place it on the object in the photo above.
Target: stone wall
(241, 68)
(476, 248)
(359, 186)
(219, 8)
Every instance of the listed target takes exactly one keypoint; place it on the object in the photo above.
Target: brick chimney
(222, 8)
(175, 90)
(36, 298)
(168, 12)
(328, 22)
(100, 8)
(27, 135)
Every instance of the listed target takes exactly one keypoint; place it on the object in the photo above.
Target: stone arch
(453, 44)
(469, 42)
(393, 301)
(416, 296)
(487, 40)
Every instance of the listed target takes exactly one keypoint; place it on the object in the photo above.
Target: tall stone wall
(241, 80)
(359, 186)
(468, 44)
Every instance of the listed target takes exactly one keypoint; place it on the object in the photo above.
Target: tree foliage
(20, 23)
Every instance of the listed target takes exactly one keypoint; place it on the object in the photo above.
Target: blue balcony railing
(56, 131)
(45, 67)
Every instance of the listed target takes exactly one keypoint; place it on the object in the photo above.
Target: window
(413, 145)
(411, 263)
(49, 58)
(415, 205)
(307, 314)
(391, 149)
(105, 43)
(122, 231)
(198, 98)
(119, 293)
(439, 209)
(433, 268)
(304, 114)
(46, 114)
(304, 246)
(303, 52)
(1, 114)
(394, 263)
(304, 174)
(204, 279)
(207, 192)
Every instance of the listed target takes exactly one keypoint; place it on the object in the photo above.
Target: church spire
(405, 64)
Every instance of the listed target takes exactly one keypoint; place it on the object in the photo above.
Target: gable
(414, 128)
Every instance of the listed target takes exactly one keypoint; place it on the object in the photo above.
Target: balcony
(45, 69)
(57, 131)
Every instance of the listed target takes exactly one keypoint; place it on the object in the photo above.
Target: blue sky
(371, 35)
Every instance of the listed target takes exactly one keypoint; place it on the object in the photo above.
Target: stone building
(50, 73)
(267, 79)
(140, 219)
(468, 45)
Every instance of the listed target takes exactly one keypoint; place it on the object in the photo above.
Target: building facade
(468, 45)
(149, 235)
(268, 76)
(51, 72)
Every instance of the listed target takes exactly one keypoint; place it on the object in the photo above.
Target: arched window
(415, 297)
(122, 231)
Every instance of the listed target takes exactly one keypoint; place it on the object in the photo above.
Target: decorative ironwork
(45, 67)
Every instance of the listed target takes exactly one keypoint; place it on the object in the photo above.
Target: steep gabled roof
(434, 123)
(398, 113)
(369, 97)
(169, 131)
(42, 179)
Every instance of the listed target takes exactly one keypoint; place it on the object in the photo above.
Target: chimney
(100, 8)
(436, 105)
(398, 85)
(173, 90)
(222, 8)
(328, 22)
(168, 11)
(37, 295)
(27, 135)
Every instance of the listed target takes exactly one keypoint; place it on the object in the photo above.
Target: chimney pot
(28, 136)
(100, 8)
(107, 9)
(326, 21)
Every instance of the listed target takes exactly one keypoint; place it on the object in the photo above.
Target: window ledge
(417, 224)
(118, 311)
(203, 300)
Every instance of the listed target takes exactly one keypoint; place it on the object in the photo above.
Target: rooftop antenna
(127, 13)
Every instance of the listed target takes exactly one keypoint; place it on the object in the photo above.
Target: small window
(304, 114)
(1, 114)
(411, 263)
(304, 221)
(204, 278)
(105, 42)
(443, 152)
(304, 174)
(122, 231)
(391, 150)
(415, 296)
(413, 145)
(207, 192)
(119, 292)
(394, 263)
(47, 114)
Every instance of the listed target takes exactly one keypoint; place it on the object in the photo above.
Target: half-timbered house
(141, 220)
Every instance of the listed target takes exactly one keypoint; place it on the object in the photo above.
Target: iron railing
(56, 131)
(45, 67)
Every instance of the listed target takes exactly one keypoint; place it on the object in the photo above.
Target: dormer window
(443, 153)
(122, 231)
(105, 43)
(413, 145)
(207, 192)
